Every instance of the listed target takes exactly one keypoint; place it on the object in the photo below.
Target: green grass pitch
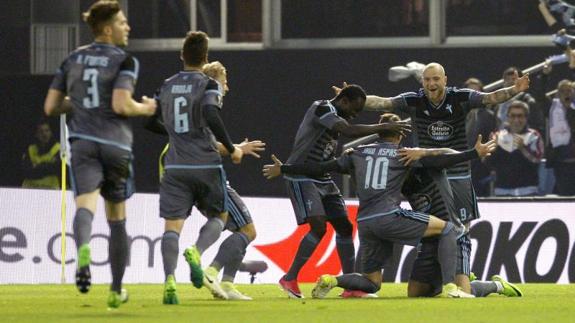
(62, 303)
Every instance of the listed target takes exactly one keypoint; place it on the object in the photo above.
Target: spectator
(479, 121)
(536, 119)
(40, 161)
(518, 154)
(561, 156)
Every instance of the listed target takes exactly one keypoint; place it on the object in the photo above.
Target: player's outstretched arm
(502, 95)
(442, 161)
(56, 103)
(308, 169)
(360, 130)
(372, 102)
(410, 155)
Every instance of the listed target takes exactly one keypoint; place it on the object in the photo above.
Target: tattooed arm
(502, 95)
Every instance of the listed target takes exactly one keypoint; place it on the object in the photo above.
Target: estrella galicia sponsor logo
(440, 131)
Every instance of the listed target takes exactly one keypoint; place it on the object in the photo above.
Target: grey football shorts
(378, 235)
(181, 189)
(107, 167)
(311, 199)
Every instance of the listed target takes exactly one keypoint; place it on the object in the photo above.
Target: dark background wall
(270, 91)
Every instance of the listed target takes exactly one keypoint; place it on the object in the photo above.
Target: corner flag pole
(63, 160)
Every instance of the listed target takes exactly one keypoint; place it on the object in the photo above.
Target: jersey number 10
(376, 172)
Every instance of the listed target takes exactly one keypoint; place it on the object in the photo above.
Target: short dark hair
(195, 49)
(352, 92)
(100, 14)
(518, 104)
(388, 117)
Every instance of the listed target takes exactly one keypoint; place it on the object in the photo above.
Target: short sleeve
(400, 102)
(326, 116)
(59, 81)
(472, 97)
(128, 74)
(212, 95)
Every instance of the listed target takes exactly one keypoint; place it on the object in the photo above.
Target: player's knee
(343, 227)
(249, 231)
(317, 226)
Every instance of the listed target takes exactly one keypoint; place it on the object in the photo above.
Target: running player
(99, 79)
(438, 114)
(379, 175)
(316, 199)
(233, 249)
(190, 104)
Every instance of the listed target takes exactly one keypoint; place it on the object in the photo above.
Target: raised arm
(502, 95)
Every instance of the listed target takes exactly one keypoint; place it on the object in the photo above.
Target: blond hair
(214, 69)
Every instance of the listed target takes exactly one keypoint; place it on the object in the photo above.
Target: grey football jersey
(89, 76)
(315, 140)
(378, 176)
(181, 99)
(443, 125)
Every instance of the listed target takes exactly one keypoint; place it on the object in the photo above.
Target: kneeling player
(379, 176)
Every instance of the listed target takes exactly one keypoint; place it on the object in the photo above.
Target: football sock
(447, 253)
(482, 289)
(118, 251)
(170, 251)
(306, 248)
(209, 233)
(240, 243)
(346, 252)
(82, 226)
(357, 282)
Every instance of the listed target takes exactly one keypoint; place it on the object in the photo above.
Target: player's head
(217, 71)
(350, 100)
(434, 80)
(387, 135)
(195, 50)
(565, 92)
(43, 132)
(510, 75)
(108, 22)
(517, 116)
(474, 84)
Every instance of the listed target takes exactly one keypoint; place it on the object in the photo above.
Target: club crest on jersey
(440, 131)
(449, 108)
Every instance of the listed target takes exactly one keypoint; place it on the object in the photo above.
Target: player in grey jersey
(379, 175)
(438, 117)
(99, 80)
(190, 104)
(316, 199)
(239, 222)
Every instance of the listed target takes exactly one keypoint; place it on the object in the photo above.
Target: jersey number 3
(376, 172)
(93, 98)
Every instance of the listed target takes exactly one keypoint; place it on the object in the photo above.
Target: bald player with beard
(438, 118)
